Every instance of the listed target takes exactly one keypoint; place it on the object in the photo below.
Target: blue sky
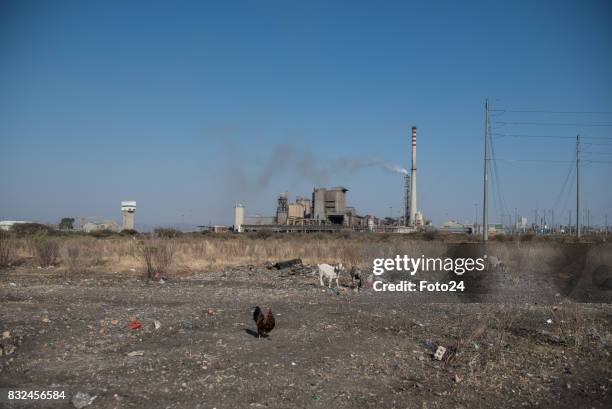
(184, 106)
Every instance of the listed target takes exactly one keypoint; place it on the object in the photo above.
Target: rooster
(265, 323)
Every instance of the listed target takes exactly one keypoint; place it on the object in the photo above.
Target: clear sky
(187, 107)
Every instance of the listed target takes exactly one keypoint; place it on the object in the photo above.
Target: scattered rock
(440, 353)
(81, 400)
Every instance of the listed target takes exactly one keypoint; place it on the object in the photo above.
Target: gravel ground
(338, 349)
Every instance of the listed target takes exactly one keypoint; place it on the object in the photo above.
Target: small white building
(8, 224)
(107, 225)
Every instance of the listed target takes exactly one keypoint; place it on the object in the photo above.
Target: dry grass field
(196, 252)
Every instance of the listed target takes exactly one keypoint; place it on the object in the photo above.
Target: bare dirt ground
(346, 350)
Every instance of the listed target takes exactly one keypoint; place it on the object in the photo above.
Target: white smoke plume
(354, 164)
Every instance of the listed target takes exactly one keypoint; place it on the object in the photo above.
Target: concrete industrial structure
(282, 208)
(238, 217)
(90, 227)
(128, 209)
(326, 212)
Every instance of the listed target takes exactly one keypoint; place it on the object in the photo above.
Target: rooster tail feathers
(257, 313)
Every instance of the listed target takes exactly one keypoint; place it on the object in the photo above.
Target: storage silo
(238, 217)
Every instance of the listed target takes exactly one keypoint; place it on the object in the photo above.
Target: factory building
(326, 212)
(330, 205)
(282, 209)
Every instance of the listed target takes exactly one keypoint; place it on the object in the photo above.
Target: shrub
(164, 257)
(74, 260)
(30, 229)
(167, 233)
(46, 250)
(100, 234)
(157, 257)
(430, 235)
(527, 237)
(262, 234)
(6, 249)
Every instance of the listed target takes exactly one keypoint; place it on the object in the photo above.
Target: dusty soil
(346, 350)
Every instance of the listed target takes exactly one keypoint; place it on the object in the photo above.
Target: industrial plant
(327, 210)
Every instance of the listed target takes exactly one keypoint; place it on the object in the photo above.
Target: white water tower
(238, 217)
(128, 209)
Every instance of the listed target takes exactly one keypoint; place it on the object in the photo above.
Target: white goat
(330, 272)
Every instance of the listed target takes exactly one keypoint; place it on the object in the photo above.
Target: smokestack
(406, 199)
(413, 190)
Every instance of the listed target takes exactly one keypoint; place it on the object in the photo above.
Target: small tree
(67, 223)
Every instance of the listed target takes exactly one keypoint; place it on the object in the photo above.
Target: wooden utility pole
(578, 186)
(485, 202)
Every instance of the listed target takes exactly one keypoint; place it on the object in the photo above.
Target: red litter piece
(135, 324)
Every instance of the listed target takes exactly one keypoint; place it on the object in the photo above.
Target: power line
(497, 185)
(549, 136)
(550, 124)
(553, 112)
(569, 173)
(597, 153)
(531, 160)
(547, 160)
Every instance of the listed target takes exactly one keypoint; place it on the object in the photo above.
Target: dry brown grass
(46, 250)
(570, 319)
(196, 252)
(7, 249)
(73, 260)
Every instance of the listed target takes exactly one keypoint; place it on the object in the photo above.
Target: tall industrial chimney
(406, 199)
(413, 190)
